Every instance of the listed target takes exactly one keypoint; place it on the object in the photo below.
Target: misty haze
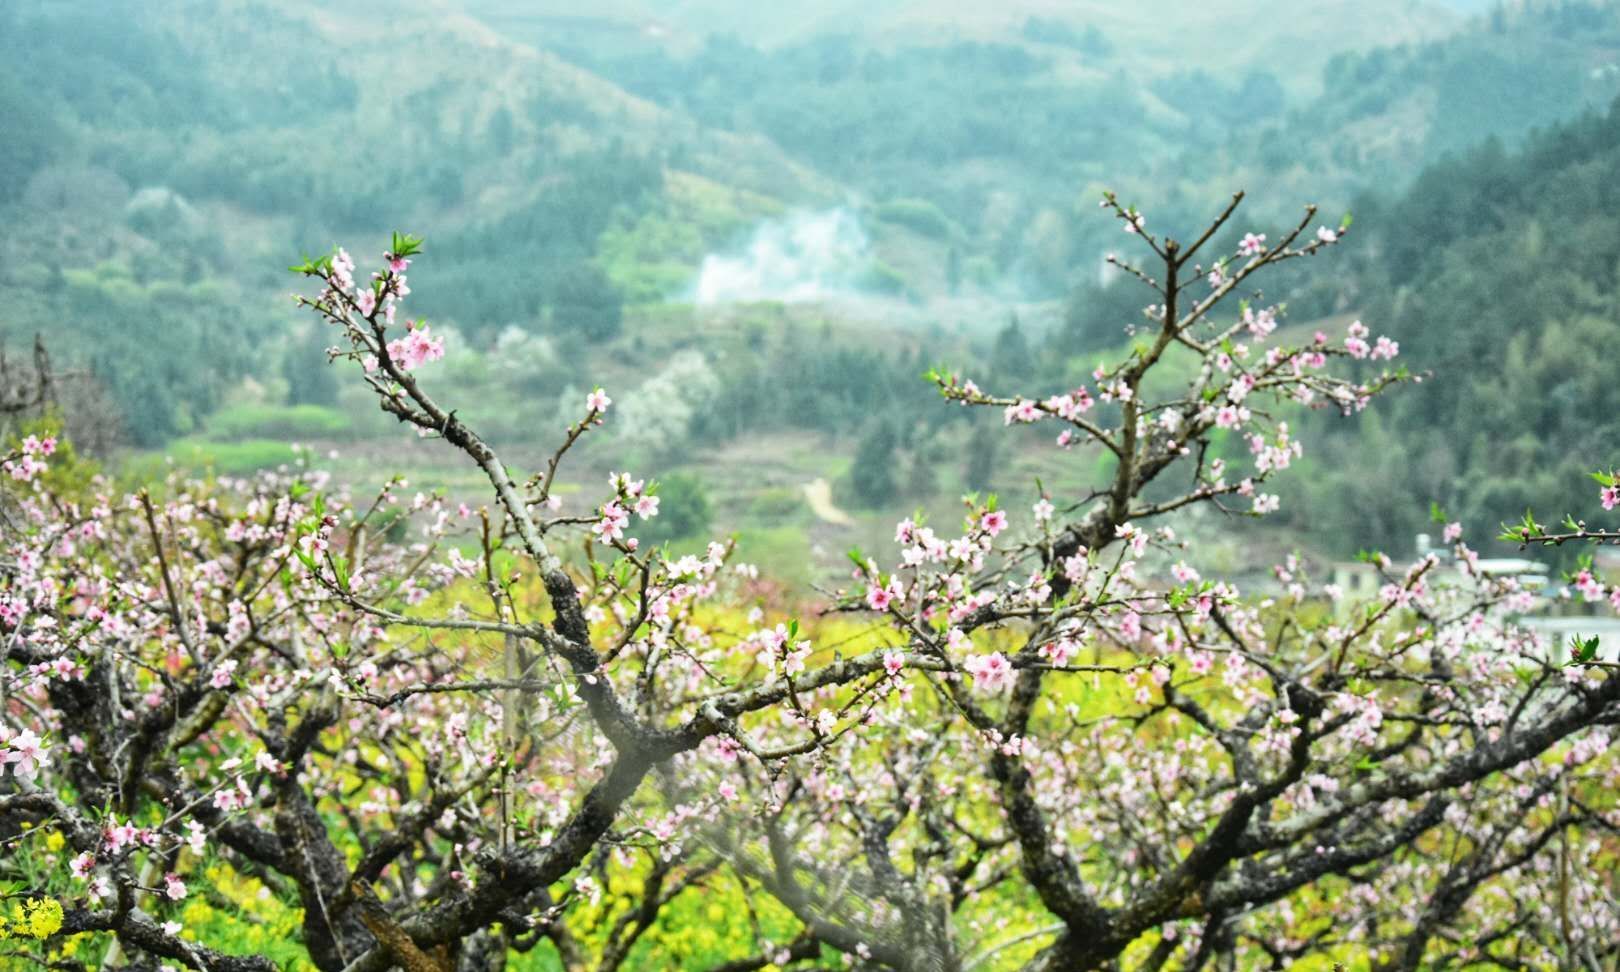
(908, 485)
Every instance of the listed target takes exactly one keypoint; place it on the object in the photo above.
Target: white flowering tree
(443, 745)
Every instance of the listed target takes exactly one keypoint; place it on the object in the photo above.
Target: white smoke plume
(801, 257)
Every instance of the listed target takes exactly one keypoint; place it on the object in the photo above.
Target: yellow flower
(54, 841)
(34, 918)
(47, 918)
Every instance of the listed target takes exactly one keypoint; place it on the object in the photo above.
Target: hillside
(1233, 35)
(289, 145)
(1498, 271)
(575, 195)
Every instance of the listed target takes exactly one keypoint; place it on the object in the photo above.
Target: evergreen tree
(1011, 359)
(872, 478)
(684, 510)
(584, 300)
(981, 463)
(309, 375)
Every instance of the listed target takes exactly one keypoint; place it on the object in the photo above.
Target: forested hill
(1383, 115)
(1500, 271)
(160, 169)
(573, 174)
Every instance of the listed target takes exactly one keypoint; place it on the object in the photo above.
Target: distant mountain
(163, 164)
(1386, 113)
(169, 162)
(1163, 35)
(1497, 272)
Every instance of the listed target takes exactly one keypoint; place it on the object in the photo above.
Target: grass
(781, 553)
(289, 422)
(218, 458)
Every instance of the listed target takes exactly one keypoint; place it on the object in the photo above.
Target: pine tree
(872, 477)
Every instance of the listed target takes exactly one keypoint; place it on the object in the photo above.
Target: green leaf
(404, 245)
(1582, 650)
(1526, 529)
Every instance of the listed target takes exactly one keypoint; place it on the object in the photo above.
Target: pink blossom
(993, 522)
(117, 836)
(173, 888)
(343, 270)
(82, 865)
(1058, 652)
(597, 401)
(416, 348)
(223, 674)
(893, 662)
(1024, 411)
(25, 752)
(879, 598)
(35, 446)
(1356, 340)
(1252, 244)
(991, 672)
(611, 526)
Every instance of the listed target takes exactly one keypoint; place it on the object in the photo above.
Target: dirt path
(819, 495)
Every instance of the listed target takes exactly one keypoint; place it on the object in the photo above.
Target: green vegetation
(570, 191)
(684, 511)
(295, 422)
(872, 480)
